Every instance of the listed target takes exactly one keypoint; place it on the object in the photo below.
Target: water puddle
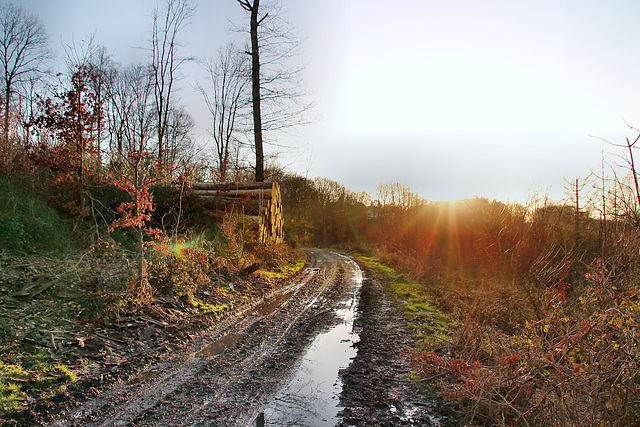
(265, 308)
(311, 396)
(220, 345)
(268, 307)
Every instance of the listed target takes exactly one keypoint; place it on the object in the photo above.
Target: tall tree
(179, 145)
(225, 99)
(100, 71)
(129, 113)
(24, 48)
(165, 61)
(72, 118)
(277, 98)
(254, 22)
(28, 94)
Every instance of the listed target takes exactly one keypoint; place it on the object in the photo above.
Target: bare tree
(165, 61)
(225, 99)
(573, 189)
(276, 96)
(254, 21)
(629, 197)
(24, 49)
(28, 93)
(117, 110)
(131, 117)
(101, 71)
(179, 145)
(329, 193)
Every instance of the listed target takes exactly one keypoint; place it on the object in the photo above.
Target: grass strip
(430, 327)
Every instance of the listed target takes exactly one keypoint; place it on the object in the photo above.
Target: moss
(430, 327)
(283, 272)
(35, 373)
(210, 308)
(11, 396)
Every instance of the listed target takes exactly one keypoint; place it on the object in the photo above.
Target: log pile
(260, 201)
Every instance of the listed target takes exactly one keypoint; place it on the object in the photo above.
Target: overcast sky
(454, 98)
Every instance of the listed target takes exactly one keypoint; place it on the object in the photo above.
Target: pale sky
(453, 98)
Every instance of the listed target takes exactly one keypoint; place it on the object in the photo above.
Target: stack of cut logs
(260, 201)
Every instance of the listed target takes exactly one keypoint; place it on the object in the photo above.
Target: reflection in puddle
(220, 345)
(311, 396)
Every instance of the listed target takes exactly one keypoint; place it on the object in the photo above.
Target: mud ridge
(377, 390)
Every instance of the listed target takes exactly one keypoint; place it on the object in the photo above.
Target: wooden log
(264, 193)
(251, 207)
(259, 202)
(231, 200)
(227, 186)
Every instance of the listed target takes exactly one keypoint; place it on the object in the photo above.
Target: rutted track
(246, 361)
(230, 375)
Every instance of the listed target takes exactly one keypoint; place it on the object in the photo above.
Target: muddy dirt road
(328, 349)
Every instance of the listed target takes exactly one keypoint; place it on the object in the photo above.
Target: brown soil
(377, 389)
(166, 374)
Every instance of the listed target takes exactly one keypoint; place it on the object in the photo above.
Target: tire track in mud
(377, 390)
(230, 375)
(218, 382)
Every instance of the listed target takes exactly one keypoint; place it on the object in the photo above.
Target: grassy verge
(430, 327)
(29, 226)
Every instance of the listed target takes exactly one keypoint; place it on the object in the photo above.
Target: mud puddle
(268, 307)
(265, 308)
(220, 345)
(311, 397)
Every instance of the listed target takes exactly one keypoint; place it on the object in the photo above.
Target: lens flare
(178, 248)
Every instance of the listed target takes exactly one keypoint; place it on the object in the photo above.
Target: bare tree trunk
(80, 142)
(165, 63)
(5, 130)
(603, 226)
(633, 168)
(577, 213)
(225, 99)
(23, 50)
(255, 91)
(255, 83)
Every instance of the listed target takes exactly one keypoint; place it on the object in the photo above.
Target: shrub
(578, 365)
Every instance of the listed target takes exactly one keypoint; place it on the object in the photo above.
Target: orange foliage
(548, 328)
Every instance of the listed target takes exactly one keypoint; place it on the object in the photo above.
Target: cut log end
(222, 195)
